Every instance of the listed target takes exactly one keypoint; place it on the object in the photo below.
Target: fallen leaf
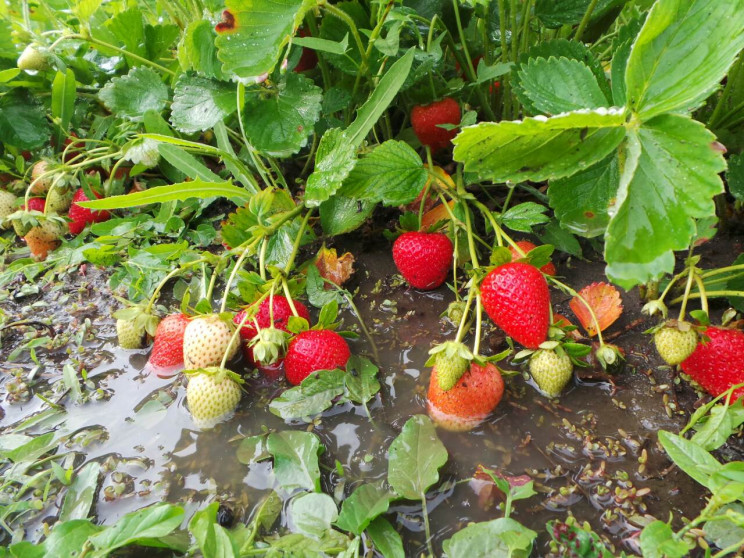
(604, 299)
(487, 491)
(334, 268)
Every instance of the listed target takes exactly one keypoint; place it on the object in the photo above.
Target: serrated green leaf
(199, 103)
(539, 148)
(558, 48)
(670, 178)
(260, 31)
(556, 85)
(657, 541)
(392, 173)
(334, 29)
(23, 123)
(334, 160)
(581, 200)
(617, 73)
(313, 396)
(197, 50)
(280, 124)
(524, 216)
(414, 458)
(174, 192)
(705, 34)
(128, 27)
(132, 95)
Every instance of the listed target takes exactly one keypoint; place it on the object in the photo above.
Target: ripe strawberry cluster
(203, 345)
(40, 221)
(516, 297)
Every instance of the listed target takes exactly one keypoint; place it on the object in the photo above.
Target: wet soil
(582, 450)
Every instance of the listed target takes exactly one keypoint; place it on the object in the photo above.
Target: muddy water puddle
(582, 451)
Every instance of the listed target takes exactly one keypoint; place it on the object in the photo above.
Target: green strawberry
(130, 336)
(59, 199)
(212, 394)
(33, 58)
(551, 370)
(451, 359)
(675, 342)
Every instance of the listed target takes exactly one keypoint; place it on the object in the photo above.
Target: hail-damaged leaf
(333, 267)
(605, 302)
(253, 33)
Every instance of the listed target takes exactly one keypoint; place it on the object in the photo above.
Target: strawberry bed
(447, 278)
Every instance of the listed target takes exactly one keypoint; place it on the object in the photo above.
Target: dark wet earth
(592, 454)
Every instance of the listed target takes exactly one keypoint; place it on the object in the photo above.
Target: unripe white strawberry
(59, 199)
(206, 340)
(7, 206)
(551, 370)
(212, 395)
(129, 335)
(40, 180)
(675, 344)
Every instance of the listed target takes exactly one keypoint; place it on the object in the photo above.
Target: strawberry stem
(688, 287)
(703, 296)
(478, 323)
(427, 527)
(461, 328)
(233, 273)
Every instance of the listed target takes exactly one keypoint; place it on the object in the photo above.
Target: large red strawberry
(526, 246)
(316, 349)
(718, 364)
(426, 119)
(81, 216)
(424, 259)
(517, 299)
(282, 313)
(167, 350)
(463, 407)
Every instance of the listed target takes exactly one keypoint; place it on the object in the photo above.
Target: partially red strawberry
(463, 407)
(517, 299)
(424, 259)
(526, 246)
(309, 59)
(43, 238)
(167, 350)
(718, 364)
(282, 313)
(316, 349)
(35, 204)
(81, 216)
(426, 119)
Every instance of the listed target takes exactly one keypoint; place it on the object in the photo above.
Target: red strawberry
(469, 402)
(270, 371)
(516, 298)
(81, 216)
(526, 246)
(423, 259)
(719, 363)
(167, 351)
(425, 120)
(35, 204)
(309, 59)
(316, 349)
(282, 313)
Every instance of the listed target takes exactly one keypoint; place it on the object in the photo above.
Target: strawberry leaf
(414, 458)
(280, 124)
(556, 85)
(334, 160)
(670, 178)
(539, 148)
(706, 35)
(132, 95)
(199, 103)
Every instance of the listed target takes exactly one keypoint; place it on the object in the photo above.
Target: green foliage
(199, 103)
(132, 95)
(499, 537)
(415, 457)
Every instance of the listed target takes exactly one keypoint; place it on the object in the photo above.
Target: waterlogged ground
(583, 451)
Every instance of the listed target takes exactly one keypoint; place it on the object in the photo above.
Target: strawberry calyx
(218, 373)
(268, 345)
(451, 359)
